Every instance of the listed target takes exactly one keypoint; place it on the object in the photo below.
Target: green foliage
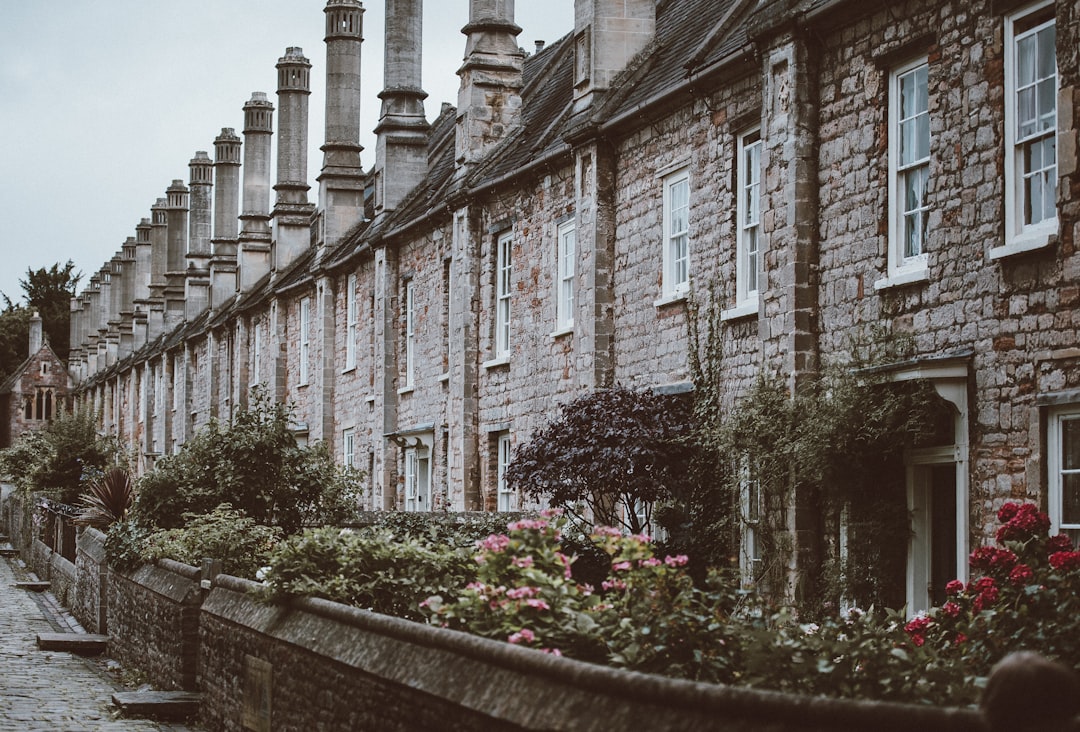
(371, 568)
(49, 292)
(835, 445)
(242, 545)
(608, 450)
(255, 465)
(124, 543)
(107, 501)
(63, 459)
(450, 529)
(14, 338)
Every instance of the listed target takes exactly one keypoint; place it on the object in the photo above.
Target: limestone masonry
(827, 168)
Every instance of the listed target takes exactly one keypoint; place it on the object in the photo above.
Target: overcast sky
(104, 102)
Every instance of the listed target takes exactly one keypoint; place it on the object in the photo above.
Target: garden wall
(153, 621)
(90, 602)
(320, 664)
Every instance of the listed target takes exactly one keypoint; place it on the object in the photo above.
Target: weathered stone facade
(36, 391)
(428, 321)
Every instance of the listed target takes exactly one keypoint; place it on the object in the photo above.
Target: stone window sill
(744, 310)
(497, 362)
(672, 298)
(903, 277)
(1021, 245)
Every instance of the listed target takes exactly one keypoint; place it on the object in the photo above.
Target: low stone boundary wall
(317, 664)
(62, 578)
(90, 602)
(153, 622)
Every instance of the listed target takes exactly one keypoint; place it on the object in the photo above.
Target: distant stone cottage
(36, 392)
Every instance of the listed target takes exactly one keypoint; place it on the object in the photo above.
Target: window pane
(1070, 444)
(1025, 60)
(1070, 499)
(1047, 104)
(1047, 45)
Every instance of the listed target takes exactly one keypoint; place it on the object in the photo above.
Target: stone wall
(62, 578)
(89, 602)
(316, 664)
(153, 621)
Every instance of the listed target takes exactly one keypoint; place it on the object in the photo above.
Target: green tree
(14, 337)
(49, 292)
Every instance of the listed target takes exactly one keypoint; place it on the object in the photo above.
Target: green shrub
(242, 545)
(62, 459)
(371, 568)
(255, 465)
(608, 450)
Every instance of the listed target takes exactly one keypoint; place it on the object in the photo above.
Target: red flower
(1007, 511)
(1025, 522)
(988, 593)
(1021, 575)
(1065, 561)
(951, 609)
(918, 625)
(955, 587)
(960, 638)
(989, 559)
(1059, 543)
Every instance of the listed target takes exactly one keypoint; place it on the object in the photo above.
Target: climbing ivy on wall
(833, 449)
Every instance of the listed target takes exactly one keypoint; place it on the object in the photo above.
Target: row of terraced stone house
(834, 165)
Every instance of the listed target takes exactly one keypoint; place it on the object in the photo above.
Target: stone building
(831, 166)
(36, 391)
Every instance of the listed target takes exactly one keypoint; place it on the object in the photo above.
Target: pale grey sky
(104, 102)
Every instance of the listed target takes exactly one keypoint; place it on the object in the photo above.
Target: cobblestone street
(48, 690)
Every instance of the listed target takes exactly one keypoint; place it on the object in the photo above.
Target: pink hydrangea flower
(537, 604)
(621, 566)
(524, 635)
(678, 560)
(519, 593)
(522, 562)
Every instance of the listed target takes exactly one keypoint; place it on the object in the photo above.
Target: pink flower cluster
(522, 636)
(495, 543)
(678, 560)
(527, 524)
(520, 593)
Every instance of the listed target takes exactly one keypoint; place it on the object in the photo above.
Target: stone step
(7, 551)
(36, 586)
(84, 644)
(157, 704)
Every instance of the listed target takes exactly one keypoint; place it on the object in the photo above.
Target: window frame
(1021, 236)
(1055, 466)
(352, 322)
(751, 557)
(409, 307)
(903, 268)
(675, 285)
(506, 499)
(565, 272)
(747, 295)
(256, 353)
(305, 340)
(503, 293)
(348, 447)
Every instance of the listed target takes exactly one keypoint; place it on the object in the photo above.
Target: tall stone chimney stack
(159, 265)
(401, 150)
(127, 296)
(197, 296)
(489, 99)
(226, 209)
(255, 235)
(141, 283)
(36, 338)
(341, 182)
(177, 205)
(607, 34)
(292, 212)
